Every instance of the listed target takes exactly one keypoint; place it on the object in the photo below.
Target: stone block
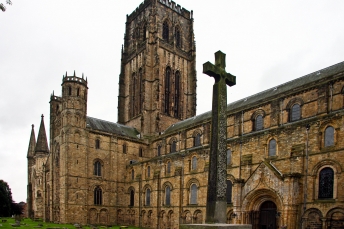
(215, 226)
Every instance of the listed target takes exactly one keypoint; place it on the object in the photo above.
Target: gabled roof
(267, 94)
(110, 127)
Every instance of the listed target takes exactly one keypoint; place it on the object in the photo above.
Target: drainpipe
(306, 177)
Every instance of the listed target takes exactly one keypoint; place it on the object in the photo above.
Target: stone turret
(31, 162)
(42, 142)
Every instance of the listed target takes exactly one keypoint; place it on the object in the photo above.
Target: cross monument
(216, 208)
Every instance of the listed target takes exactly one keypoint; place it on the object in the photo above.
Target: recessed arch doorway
(268, 215)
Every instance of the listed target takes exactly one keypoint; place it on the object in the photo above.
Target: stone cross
(216, 208)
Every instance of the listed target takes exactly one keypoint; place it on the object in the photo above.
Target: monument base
(215, 226)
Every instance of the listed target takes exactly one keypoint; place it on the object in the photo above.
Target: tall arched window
(168, 196)
(329, 136)
(272, 147)
(165, 31)
(134, 95)
(139, 92)
(144, 31)
(132, 196)
(97, 168)
(176, 94)
(197, 140)
(178, 38)
(259, 122)
(97, 144)
(167, 90)
(295, 112)
(148, 171)
(229, 156)
(326, 180)
(173, 146)
(98, 195)
(229, 191)
(168, 169)
(148, 194)
(132, 174)
(159, 150)
(194, 163)
(193, 194)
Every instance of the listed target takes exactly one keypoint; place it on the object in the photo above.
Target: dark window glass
(124, 148)
(329, 136)
(272, 147)
(78, 92)
(148, 171)
(167, 90)
(326, 179)
(165, 31)
(173, 146)
(295, 112)
(98, 195)
(144, 30)
(229, 191)
(193, 194)
(197, 140)
(194, 163)
(178, 38)
(140, 152)
(159, 150)
(168, 195)
(148, 197)
(229, 157)
(97, 143)
(132, 195)
(176, 94)
(259, 122)
(168, 167)
(97, 168)
(69, 91)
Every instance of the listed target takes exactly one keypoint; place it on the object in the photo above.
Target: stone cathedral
(285, 155)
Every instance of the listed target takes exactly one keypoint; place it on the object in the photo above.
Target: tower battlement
(74, 79)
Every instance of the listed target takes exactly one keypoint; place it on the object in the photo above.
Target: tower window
(98, 195)
(329, 136)
(168, 196)
(69, 90)
(97, 144)
(259, 122)
(124, 148)
(272, 147)
(132, 174)
(97, 168)
(178, 38)
(168, 167)
(78, 92)
(193, 194)
(176, 94)
(132, 195)
(159, 150)
(144, 31)
(165, 31)
(148, 194)
(197, 140)
(167, 90)
(148, 171)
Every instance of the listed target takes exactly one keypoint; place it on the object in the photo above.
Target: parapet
(138, 10)
(74, 79)
(177, 8)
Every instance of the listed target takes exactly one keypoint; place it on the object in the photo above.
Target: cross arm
(216, 72)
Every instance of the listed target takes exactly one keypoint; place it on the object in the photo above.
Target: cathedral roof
(255, 99)
(42, 143)
(110, 127)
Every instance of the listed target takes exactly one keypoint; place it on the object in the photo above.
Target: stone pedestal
(215, 226)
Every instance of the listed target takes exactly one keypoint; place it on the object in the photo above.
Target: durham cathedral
(150, 169)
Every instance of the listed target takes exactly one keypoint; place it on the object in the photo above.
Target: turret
(74, 101)
(42, 142)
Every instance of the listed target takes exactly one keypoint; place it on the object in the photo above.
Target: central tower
(157, 83)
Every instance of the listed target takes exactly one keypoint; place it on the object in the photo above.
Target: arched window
(98, 195)
(97, 168)
(167, 90)
(229, 156)
(97, 144)
(329, 136)
(159, 150)
(229, 191)
(173, 146)
(148, 171)
(178, 38)
(272, 147)
(148, 193)
(326, 180)
(168, 196)
(132, 195)
(132, 174)
(193, 194)
(295, 112)
(197, 140)
(176, 94)
(194, 163)
(165, 31)
(168, 169)
(259, 122)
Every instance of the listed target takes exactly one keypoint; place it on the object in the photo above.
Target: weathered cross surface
(217, 185)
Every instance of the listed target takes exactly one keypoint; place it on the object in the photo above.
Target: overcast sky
(267, 43)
